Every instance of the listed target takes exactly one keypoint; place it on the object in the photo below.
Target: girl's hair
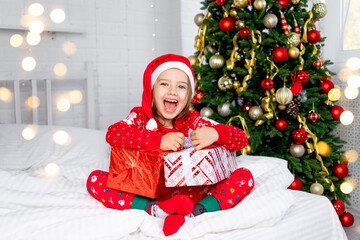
(183, 114)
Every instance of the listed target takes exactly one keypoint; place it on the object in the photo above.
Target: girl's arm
(230, 137)
(129, 133)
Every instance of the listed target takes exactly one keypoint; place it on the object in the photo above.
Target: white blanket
(33, 206)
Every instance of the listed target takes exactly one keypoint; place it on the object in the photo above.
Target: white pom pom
(151, 124)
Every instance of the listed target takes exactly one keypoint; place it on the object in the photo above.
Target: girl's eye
(163, 84)
(182, 87)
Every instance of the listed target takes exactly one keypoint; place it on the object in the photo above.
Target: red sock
(179, 204)
(172, 224)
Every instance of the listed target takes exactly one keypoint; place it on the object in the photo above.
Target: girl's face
(170, 95)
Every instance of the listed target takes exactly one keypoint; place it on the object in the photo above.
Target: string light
(346, 187)
(334, 94)
(344, 74)
(351, 93)
(63, 105)
(52, 170)
(69, 48)
(36, 9)
(5, 94)
(353, 63)
(16, 40)
(354, 81)
(61, 137)
(33, 102)
(60, 69)
(351, 156)
(33, 38)
(29, 132)
(346, 118)
(57, 15)
(36, 27)
(28, 64)
(75, 96)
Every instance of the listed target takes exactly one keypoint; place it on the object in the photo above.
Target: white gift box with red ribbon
(190, 167)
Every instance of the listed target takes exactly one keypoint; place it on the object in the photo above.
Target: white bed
(36, 206)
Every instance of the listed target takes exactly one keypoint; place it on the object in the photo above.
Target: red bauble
(313, 36)
(314, 116)
(220, 2)
(346, 219)
(339, 206)
(246, 107)
(327, 85)
(244, 32)
(267, 84)
(301, 76)
(296, 88)
(318, 64)
(197, 96)
(227, 24)
(340, 170)
(336, 111)
(299, 135)
(283, 3)
(296, 184)
(281, 124)
(280, 54)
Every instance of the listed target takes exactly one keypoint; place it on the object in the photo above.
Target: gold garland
(250, 64)
(312, 147)
(247, 149)
(230, 63)
(200, 38)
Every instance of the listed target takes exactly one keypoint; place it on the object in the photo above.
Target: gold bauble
(240, 3)
(324, 148)
(236, 84)
(282, 107)
(216, 61)
(255, 112)
(293, 39)
(297, 150)
(284, 95)
(199, 18)
(193, 60)
(317, 188)
(259, 4)
(319, 10)
(206, 112)
(293, 52)
(224, 83)
(239, 24)
(270, 20)
(209, 49)
(224, 109)
(233, 13)
(294, 1)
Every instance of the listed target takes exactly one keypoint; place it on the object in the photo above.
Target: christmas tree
(259, 67)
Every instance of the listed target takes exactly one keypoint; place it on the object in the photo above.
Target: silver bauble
(317, 188)
(209, 49)
(297, 150)
(259, 4)
(193, 60)
(270, 20)
(224, 109)
(255, 112)
(206, 112)
(284, 95)
(216, 61)
(293, 39)
(319, 10)
(224, 83)
(199, 18)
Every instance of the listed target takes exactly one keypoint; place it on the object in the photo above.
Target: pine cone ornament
(293, 107)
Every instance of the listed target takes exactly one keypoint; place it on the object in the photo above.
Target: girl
(162, 122)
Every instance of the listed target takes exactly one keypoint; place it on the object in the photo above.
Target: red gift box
(137, 171)
(203, 167)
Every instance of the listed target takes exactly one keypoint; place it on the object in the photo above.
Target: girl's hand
(203, 137)
(172, 141)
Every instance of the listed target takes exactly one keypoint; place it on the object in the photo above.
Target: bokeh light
(37, 27)
(63, 105)
(28, 64)
(334, 94)
(33, 102)
(33, 38)
(354, 81)
(344, 74)
(346, 118)
(346, 187)
(36, 9)
(29, 132)
(75, 96)
(69, 48)
(351, 156)
(353, 63)
(52, 169)
(57, 15)
(16, 40)
(351, 92)
(5, 94)
(61, 137)
(60, 69)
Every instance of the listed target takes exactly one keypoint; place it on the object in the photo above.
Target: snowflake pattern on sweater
(131, 132)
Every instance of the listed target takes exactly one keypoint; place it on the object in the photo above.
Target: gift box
(137, 171)
(203, 167)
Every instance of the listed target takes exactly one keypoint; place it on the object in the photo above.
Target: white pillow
(86, 147)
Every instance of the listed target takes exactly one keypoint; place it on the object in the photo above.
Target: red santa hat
(152, 72)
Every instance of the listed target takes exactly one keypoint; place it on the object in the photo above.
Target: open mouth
(170, 105)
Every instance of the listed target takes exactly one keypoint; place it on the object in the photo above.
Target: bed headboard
(44, 86)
